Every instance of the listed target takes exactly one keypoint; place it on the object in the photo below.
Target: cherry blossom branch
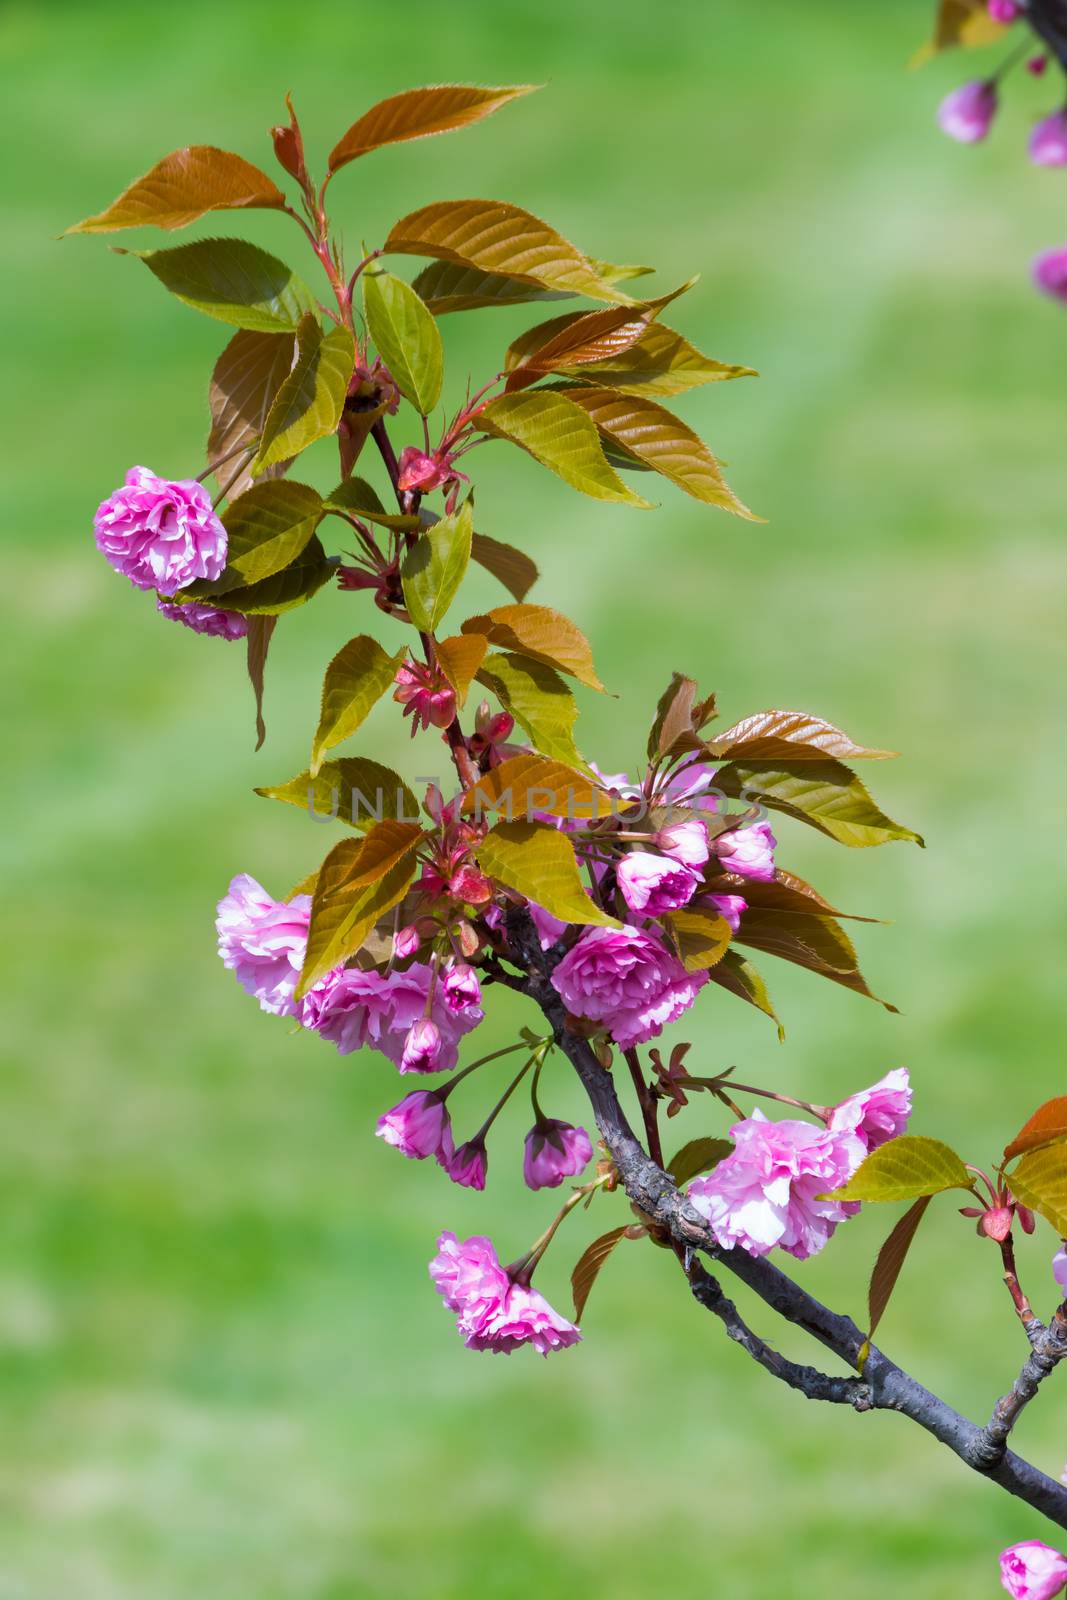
(888, 1386)
(1049, 1349)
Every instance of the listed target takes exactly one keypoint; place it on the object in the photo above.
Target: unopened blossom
(1004, 11)
(731, 907)
(468, 1164)
(418, 1127)
(211, 620)
(1048, 142)
(493, 1312)
(423, 472)
(1059, 1269)
(764, 1194)
(1033, 1571)
(426, 695)
(1037, 65)
(653, 884)
(263, 941)
(353, 1008)
(877, 1114)
(459, 987)
(553, 1151)
(967, 113)
(160, 534)
(492, 731)
(406, 941)
(686, 842)
(628, 980)
(748, 851)
(422, 1047)
(1050, 272)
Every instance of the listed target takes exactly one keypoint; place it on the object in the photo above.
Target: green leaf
(446, 286)
(542, 634)
(538, 861)
(558, 434)
(309, 403)
(247, 376)
(182, 187)
(1048, 1125)
(511, 567)
(234, 281)
(357, 496)
(661, 363)
(267, 527)
(435, 567)
(904, 1169)
(588, 1267)
(292, 586)
(789, 736)
(343, 914)
(539, 700)
(355, 681)
(741, 977)
(407, 338)
(1040, 1182)
(891, 1258)
(701, 936)
(662, 441)
(386, 843)
(353, 789)
(826, 794)
(499, 238)
(417, 113)
(531, 783)
(257, 640)
(817, 943)
(699, 1155)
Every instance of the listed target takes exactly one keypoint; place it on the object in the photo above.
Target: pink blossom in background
(353, 1008)
(654, 884)
(878, 1114)
(426, 695)
(1050, 272)
(764, 1193)
(1048, 142)
(263, 941)
(468, 1165)
(553, 1151)
(686, 842)
(967, 113)
(627, 979)
(1037, 65)
(1033, 1571)
(1004, 11)
(418, 1127)
(493, 1312)
(1059, 1269)
(748, 851)
(160, 534)
(731, 907)
(210, 620)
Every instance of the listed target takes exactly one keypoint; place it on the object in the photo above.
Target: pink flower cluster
(626, 979)
(161, 534)
(493, 1310)
(1033, 1571)
(765, 1194)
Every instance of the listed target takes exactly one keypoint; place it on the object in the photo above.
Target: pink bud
(1037, 65)
(1033, 1571)
(1048, 142)
(422, 1047)
(423, 472)
(1004, 11)
(1059, 1268)
(1026, 1218)
(554, 1150)
(996, 1223)
(686, 842)
(460, 987)
(418, 1127)
(1050, 272)
(405, 942)
(468, 1165)
(967, 113)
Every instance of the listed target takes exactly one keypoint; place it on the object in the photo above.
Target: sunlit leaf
(499, 238)
(526, 784)
(435, 565)
(556, 432)
(826, 794)
(357, 496)
(343, 915)
(355, 681)
(247, 376)
(1040, 1182)
(538, 861)
(662, 363)
(417, 113)
(460, 658)
(354, 789)
(817, 943)
(904, 1169)
(538, 699)
(182, 187)
(541, 633)
(267, 527)
(699, 1155)
(233, 281)
(511, 567)
(588, 1267)
(257, 641)
(308, 405)
(1048, 1125)
(789, 736)
(284, 590)
(787, 892)
(385, 844)
(446, 286)
(701, 935)
(407, 338)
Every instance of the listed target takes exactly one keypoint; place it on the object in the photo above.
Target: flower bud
(995, 1223)
(554, 1150)
(1059, 1269)
(468, 1165)
(1033, 1571)
(967, 113)
(405, 942)
(1004, 11)
(1048, 141)
(422, 1047)
(1050, 272)
(1037, 65)
(418, 1127)
(686, 842)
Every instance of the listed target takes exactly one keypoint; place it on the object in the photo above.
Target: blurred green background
(223, 1370)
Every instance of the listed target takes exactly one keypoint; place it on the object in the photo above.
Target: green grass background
(223, 1371)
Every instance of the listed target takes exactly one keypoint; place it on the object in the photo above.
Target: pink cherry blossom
(423, 472)
(210, 620)
(654, 884)
(967, 113)
(1059, 1269)
(468, 1165)
(553, 1151)
(418, 1127)
(160, 534)
(627, 979)
(748, 851)
(731, 907)
(1050, 272)
(1004, 11)
(549, 928)
(263, 941)
(353, 1008)
(422, 1047)
(764, 1193)
(426, 695)
(1048, 142)
(493, 1312)
(1037, 65)
(686, 842)
(1033, 1571)
(878, 1114)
